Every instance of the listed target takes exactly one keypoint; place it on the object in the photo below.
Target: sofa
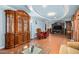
(69, 48)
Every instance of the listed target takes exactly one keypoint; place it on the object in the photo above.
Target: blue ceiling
(62, 11)
(44, 11)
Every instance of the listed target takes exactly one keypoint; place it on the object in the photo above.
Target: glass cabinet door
(10, 23)
(25, 25)
(25, 30)
(20, 30)
(19, 24)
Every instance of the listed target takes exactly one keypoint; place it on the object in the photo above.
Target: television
(57, 27)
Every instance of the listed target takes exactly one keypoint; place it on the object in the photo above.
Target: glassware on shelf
(19, 24)
(25, 25)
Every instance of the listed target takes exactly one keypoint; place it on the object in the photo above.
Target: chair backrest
(38, 30)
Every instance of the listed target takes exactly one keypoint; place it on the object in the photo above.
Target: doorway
(58, 28)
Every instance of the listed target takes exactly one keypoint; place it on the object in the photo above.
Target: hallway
(52, 44)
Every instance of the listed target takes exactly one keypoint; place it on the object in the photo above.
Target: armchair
(41, 34)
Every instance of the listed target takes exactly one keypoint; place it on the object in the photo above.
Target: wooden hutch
(75, 22)
(17, 28)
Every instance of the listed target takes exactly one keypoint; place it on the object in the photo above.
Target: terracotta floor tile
(52, 43)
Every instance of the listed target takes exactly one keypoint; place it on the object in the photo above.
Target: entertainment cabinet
(17, 28)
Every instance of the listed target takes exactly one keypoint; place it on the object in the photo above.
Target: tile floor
(50, 45)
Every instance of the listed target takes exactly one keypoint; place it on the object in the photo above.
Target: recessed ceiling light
(51, 14)
(44, 6)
